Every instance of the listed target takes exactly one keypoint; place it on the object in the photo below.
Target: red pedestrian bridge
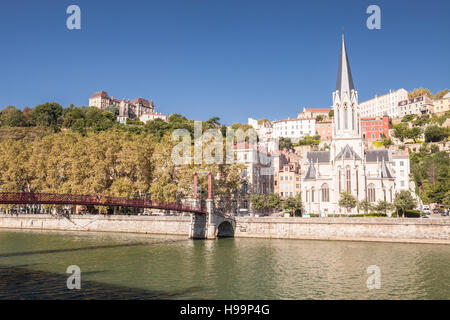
(29, 198)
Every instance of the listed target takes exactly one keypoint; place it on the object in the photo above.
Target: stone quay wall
(357, 229)
(179, 225)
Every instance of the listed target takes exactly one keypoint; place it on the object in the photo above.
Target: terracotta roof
(142, 101)
(102, 94)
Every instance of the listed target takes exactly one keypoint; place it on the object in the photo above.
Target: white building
(386, 104)
(149, 116)
(401, 168)
(417, 106)
(294, 129)
(346, 167)
(442, 105)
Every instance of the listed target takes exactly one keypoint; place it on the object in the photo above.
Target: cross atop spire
(344, 80)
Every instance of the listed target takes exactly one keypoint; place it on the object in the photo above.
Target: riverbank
(354, 229)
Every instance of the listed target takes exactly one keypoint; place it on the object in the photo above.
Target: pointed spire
(344, 80)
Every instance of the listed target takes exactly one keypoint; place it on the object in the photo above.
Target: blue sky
(232, 59)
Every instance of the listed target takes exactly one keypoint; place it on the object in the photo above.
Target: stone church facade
(347, 166)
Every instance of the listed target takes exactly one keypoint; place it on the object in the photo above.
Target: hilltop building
(442, 105)
(347, 166)
(420, 105)
(314, 112)
(127, 109)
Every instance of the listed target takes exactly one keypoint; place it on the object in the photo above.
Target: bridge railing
(70, 199)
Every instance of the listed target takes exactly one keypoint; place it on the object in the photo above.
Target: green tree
(331, 114)
(347, 201)
(258, 202)
(384, 206)
(113, 109)
(12, 117)
(435, 134)
(293, 205)
(400, 131)
(414, 133)
(285, 143)
(47, 114)
(387, 142)
(408, 118)
(158, 128)
(273, 201)
(404, 201)
(320, 118)
(365, 205)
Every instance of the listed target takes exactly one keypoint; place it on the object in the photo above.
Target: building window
(312, 195)
(345, 118)
(371, 193)
(325, 193)
(349, 184)
(340, 181)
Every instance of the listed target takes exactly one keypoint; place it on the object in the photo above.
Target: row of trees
(109, 163)
(433, 133)
(418, 92)
(262, 202)
(91, 119)
(403, 201)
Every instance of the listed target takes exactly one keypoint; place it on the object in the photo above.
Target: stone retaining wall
(358, 229)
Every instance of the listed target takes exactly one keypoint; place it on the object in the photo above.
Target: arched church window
(345, 117)
(338, 117)
(325, 193)
(340, 180)
(353, 118)
(312, 195)
(348, 180)
(371, 193)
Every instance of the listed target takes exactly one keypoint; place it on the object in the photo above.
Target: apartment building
(442, 105)
(401, 167)
(420, 105)
(372, 128)
(325, 130)
(386, 104)
(294, 129)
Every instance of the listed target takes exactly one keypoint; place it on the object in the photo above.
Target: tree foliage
(347, 201)
(293, 205)
(404, 201)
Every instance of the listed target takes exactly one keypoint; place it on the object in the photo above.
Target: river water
(33, 265)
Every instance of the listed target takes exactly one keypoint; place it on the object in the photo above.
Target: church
(347, 166)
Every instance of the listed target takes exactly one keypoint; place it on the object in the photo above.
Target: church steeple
(344, 81)
(345, 100)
